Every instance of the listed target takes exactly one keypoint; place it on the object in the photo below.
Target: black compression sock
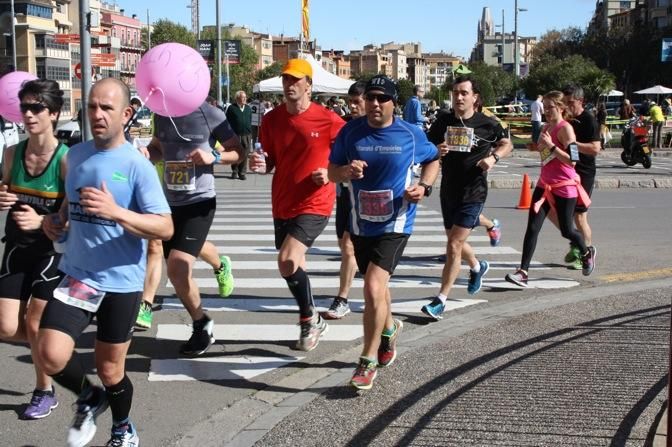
(299, 285)
(120, 397)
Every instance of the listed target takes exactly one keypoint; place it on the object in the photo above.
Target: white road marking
(215, 368)
(328, 237)
(334, 266)
(435, 250)
(289, 305)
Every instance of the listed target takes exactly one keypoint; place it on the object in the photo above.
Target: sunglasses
(33, 107)
(381, 98)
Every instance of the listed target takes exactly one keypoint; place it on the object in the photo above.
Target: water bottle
(59, 244)
(259, 151)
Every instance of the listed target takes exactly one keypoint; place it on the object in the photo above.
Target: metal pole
(516, 55)
(149, 34)
(13, 36)
(228, 80)
(503, 39)
(85, 53)
(219, 57)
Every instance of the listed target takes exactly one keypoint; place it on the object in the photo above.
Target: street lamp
(516, 50)
(195, 26)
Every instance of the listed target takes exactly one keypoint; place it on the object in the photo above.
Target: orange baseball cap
(298, 68)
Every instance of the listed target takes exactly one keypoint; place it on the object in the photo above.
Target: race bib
(180, 175)
(546, 155)
(75, 293)
(460, 139)
(376, 206)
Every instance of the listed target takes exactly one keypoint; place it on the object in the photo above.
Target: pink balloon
(172, 79)
(10, 84)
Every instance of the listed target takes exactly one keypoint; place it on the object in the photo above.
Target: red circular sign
(78, 71)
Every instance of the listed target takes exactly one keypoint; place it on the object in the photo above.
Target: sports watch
(494, 154)
(428, 188)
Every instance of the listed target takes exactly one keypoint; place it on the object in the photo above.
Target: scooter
(635, 142)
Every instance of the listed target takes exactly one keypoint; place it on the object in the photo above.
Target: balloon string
(165, 107)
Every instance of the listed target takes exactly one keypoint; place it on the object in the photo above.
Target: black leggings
(564, 208)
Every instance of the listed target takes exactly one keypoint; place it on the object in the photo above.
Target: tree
(273, 70)
(166, 31)
(550, 73)
(363, 76)
(405, 90)
(494, 82)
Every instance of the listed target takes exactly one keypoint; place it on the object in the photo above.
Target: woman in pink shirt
(558, 188)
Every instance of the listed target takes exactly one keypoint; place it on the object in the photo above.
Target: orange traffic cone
(525, 194)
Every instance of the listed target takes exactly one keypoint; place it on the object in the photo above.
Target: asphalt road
(252, 376)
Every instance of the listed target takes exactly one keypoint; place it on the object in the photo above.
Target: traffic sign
(78, 70)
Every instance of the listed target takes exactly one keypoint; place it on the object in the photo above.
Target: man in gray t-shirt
(187, 147)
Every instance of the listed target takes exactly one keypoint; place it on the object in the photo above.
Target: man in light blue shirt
(413, 108)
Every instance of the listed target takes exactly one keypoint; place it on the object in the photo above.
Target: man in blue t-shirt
(114, 201)
(375, 154)
(413, 108)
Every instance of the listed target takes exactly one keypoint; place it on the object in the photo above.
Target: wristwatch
(428, 188)
(494, 154)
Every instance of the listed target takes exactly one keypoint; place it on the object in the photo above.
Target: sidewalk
(567, 369)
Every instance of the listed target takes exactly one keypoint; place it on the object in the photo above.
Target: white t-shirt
(536, 109)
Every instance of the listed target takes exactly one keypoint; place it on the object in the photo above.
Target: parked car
(69, 133)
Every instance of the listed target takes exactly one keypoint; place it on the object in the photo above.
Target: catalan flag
(305, 22)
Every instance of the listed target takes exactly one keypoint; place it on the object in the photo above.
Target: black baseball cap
(382, 84)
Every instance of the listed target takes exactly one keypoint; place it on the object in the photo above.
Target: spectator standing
(626, 111)
(413, 108)
(536, 112)
(601, 116)
(239, 116)
(657, 120)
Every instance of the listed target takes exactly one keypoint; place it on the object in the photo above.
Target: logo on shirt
(48, 187)
(119, 177)
(315, 134)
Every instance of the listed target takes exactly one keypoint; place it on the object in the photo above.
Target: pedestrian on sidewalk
(376, 155)
(558, 189)
(296, 137)
(470, 144)
(536, 112)
(113, 201)
(657, 121)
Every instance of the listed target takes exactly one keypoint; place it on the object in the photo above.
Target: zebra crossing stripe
(330, 229)
(328, 237)
(215, 368)
(289, 305)
(334, 266)
(435, 250)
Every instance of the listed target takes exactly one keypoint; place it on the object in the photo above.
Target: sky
(448, 25)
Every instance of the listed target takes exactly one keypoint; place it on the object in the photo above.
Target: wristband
(553, 148)
(217, 156)
(496, 157)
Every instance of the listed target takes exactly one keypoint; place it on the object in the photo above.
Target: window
(40, 41)
(39, 11)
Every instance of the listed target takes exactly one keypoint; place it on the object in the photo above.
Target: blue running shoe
(434, 309)
(476, 279)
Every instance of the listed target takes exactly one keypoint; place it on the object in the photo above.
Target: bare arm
(591, 148)
(233, 151)
(343, 173)
(155, 150)
(100, 202)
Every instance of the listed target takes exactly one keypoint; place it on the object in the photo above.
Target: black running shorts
(115, 317)
(24, 274)
(305, 228)
(385, 251)
(588, 183)
(343, 211)
(192, 224)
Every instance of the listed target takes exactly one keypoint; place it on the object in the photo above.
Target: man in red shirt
(296, 138)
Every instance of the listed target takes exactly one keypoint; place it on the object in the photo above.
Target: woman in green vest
(33, 174)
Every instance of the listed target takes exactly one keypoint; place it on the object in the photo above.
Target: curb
(249, 419)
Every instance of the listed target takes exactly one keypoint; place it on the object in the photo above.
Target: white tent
(323, 81)
(655, 90)
(612, 93)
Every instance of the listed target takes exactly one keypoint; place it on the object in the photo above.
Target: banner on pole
(666, 50)
(206, 48)
(231, 51)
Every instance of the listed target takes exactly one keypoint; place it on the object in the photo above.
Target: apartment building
(262, 43)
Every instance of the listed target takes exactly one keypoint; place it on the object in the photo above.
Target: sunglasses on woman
(33, 107)
(378, 97)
